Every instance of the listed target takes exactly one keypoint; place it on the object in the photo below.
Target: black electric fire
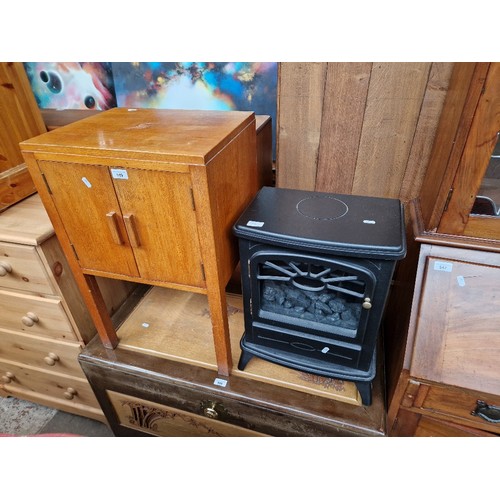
(316, 273)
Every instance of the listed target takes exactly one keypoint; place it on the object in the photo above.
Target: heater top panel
(327, 222)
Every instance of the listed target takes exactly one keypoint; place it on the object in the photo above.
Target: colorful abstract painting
(72, 85)
(242, 86)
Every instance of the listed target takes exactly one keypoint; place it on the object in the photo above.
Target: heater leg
(244, 359)
(365, 391)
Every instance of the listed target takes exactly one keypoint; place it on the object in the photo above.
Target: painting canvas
(242, 86)
(72, 85)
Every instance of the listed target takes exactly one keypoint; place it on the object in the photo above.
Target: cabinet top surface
(26, 222)
(186, 136)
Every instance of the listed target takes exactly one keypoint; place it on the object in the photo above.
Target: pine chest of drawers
(43, 321)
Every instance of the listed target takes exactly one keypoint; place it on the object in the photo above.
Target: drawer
(22, 269)
(38, 352)
(23, 381)
(160, 420)
(35, 315)
(454, 404)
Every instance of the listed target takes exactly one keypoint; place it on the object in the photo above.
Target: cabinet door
(457, 338)
(160, 219)
(87, 204)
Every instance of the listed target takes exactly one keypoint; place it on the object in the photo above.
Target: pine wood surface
(176, 325)
(29, 383)
(33, 350)
(26, 269)
(26, 223)
(52, 319)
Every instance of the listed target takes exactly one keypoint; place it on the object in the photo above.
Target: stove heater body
(316, 273)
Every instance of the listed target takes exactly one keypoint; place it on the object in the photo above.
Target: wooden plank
(159, 324)
(432, 106)
(394, 100)
(344, 104)
(300, 104)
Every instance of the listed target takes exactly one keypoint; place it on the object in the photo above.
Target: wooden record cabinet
(149, 196)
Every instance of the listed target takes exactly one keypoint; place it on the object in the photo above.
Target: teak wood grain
(165, 218)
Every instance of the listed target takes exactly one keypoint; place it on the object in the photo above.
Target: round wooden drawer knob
(8, 377)
(30, 319)
(51, 359)
(5, 268)
(70, 393)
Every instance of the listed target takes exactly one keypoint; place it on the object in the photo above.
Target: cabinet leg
(99, 313)
(220, 327)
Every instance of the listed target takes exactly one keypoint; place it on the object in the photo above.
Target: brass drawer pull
(487, 412)
(5, 268)
(8, 377)
(30, 319)
(51, 359)
(214, 410)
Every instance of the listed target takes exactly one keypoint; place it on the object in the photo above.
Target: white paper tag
(443, 266)
(255, 223)
(86, 182)
(461, 281)
(119, 173)
(220, 382)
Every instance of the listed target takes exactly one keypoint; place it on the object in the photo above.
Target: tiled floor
(23, 418)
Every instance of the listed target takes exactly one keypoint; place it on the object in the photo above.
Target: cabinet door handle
(113, 227)
(130, 225)
(487, 412)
